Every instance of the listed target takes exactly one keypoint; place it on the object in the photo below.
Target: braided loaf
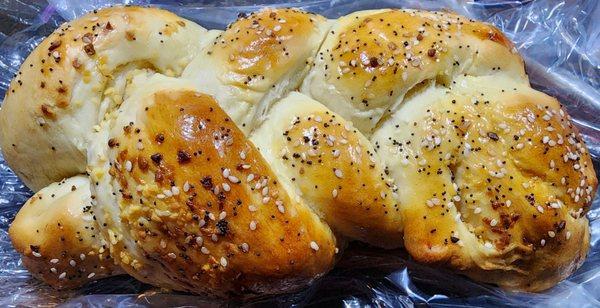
(209, 173)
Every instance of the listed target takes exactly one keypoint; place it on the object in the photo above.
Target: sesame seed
(233, 179)
(253, 225)
(223, 262)
(186, 186)
(252, 208)
(214, 238)
(204, 250)
(568, 235)
(175, 190)
(551, 234)
(265, 200)
(250, 177)
(314, 245)
(226, 187)
(545, 139)
(53, 270)
(477, 210)
(91, 275)
(199, 240)
(281, 209)
(494, 222)
(245, 247)
(72, 263)
(488, 245)
(36, 254)
(543, 242)
(334, 193)
(54, 261)
(222, 215)
(128, 166)
(540, 209)
(226, 172)
(338, 173)
(62, 275)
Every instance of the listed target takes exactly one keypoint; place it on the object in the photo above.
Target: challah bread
(372, 59)
(257, 60)
(333, 167)
(188, 203)
(63, 88)
(56, 233)
(415, 128)
(494, 180)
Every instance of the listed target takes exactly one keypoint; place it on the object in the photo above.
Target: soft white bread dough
(64, 87)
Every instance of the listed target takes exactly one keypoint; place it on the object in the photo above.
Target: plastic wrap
(560, 41)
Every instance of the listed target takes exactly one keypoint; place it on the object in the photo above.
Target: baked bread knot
(371, 60)
(333, 167)
(257, 60)
(494, 179)
(210, 174)
(188, 203)
(72, 77)
(57, 235)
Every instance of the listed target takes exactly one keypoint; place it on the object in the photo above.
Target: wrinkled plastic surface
(560, 41)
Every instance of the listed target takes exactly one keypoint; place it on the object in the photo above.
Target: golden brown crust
(190, 203)
(258, 59)
(264, 44)
(57, 236)
(334, 167)
(72, 76)
(495, 181)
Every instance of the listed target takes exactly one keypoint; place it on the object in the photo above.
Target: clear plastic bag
(560, 41)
